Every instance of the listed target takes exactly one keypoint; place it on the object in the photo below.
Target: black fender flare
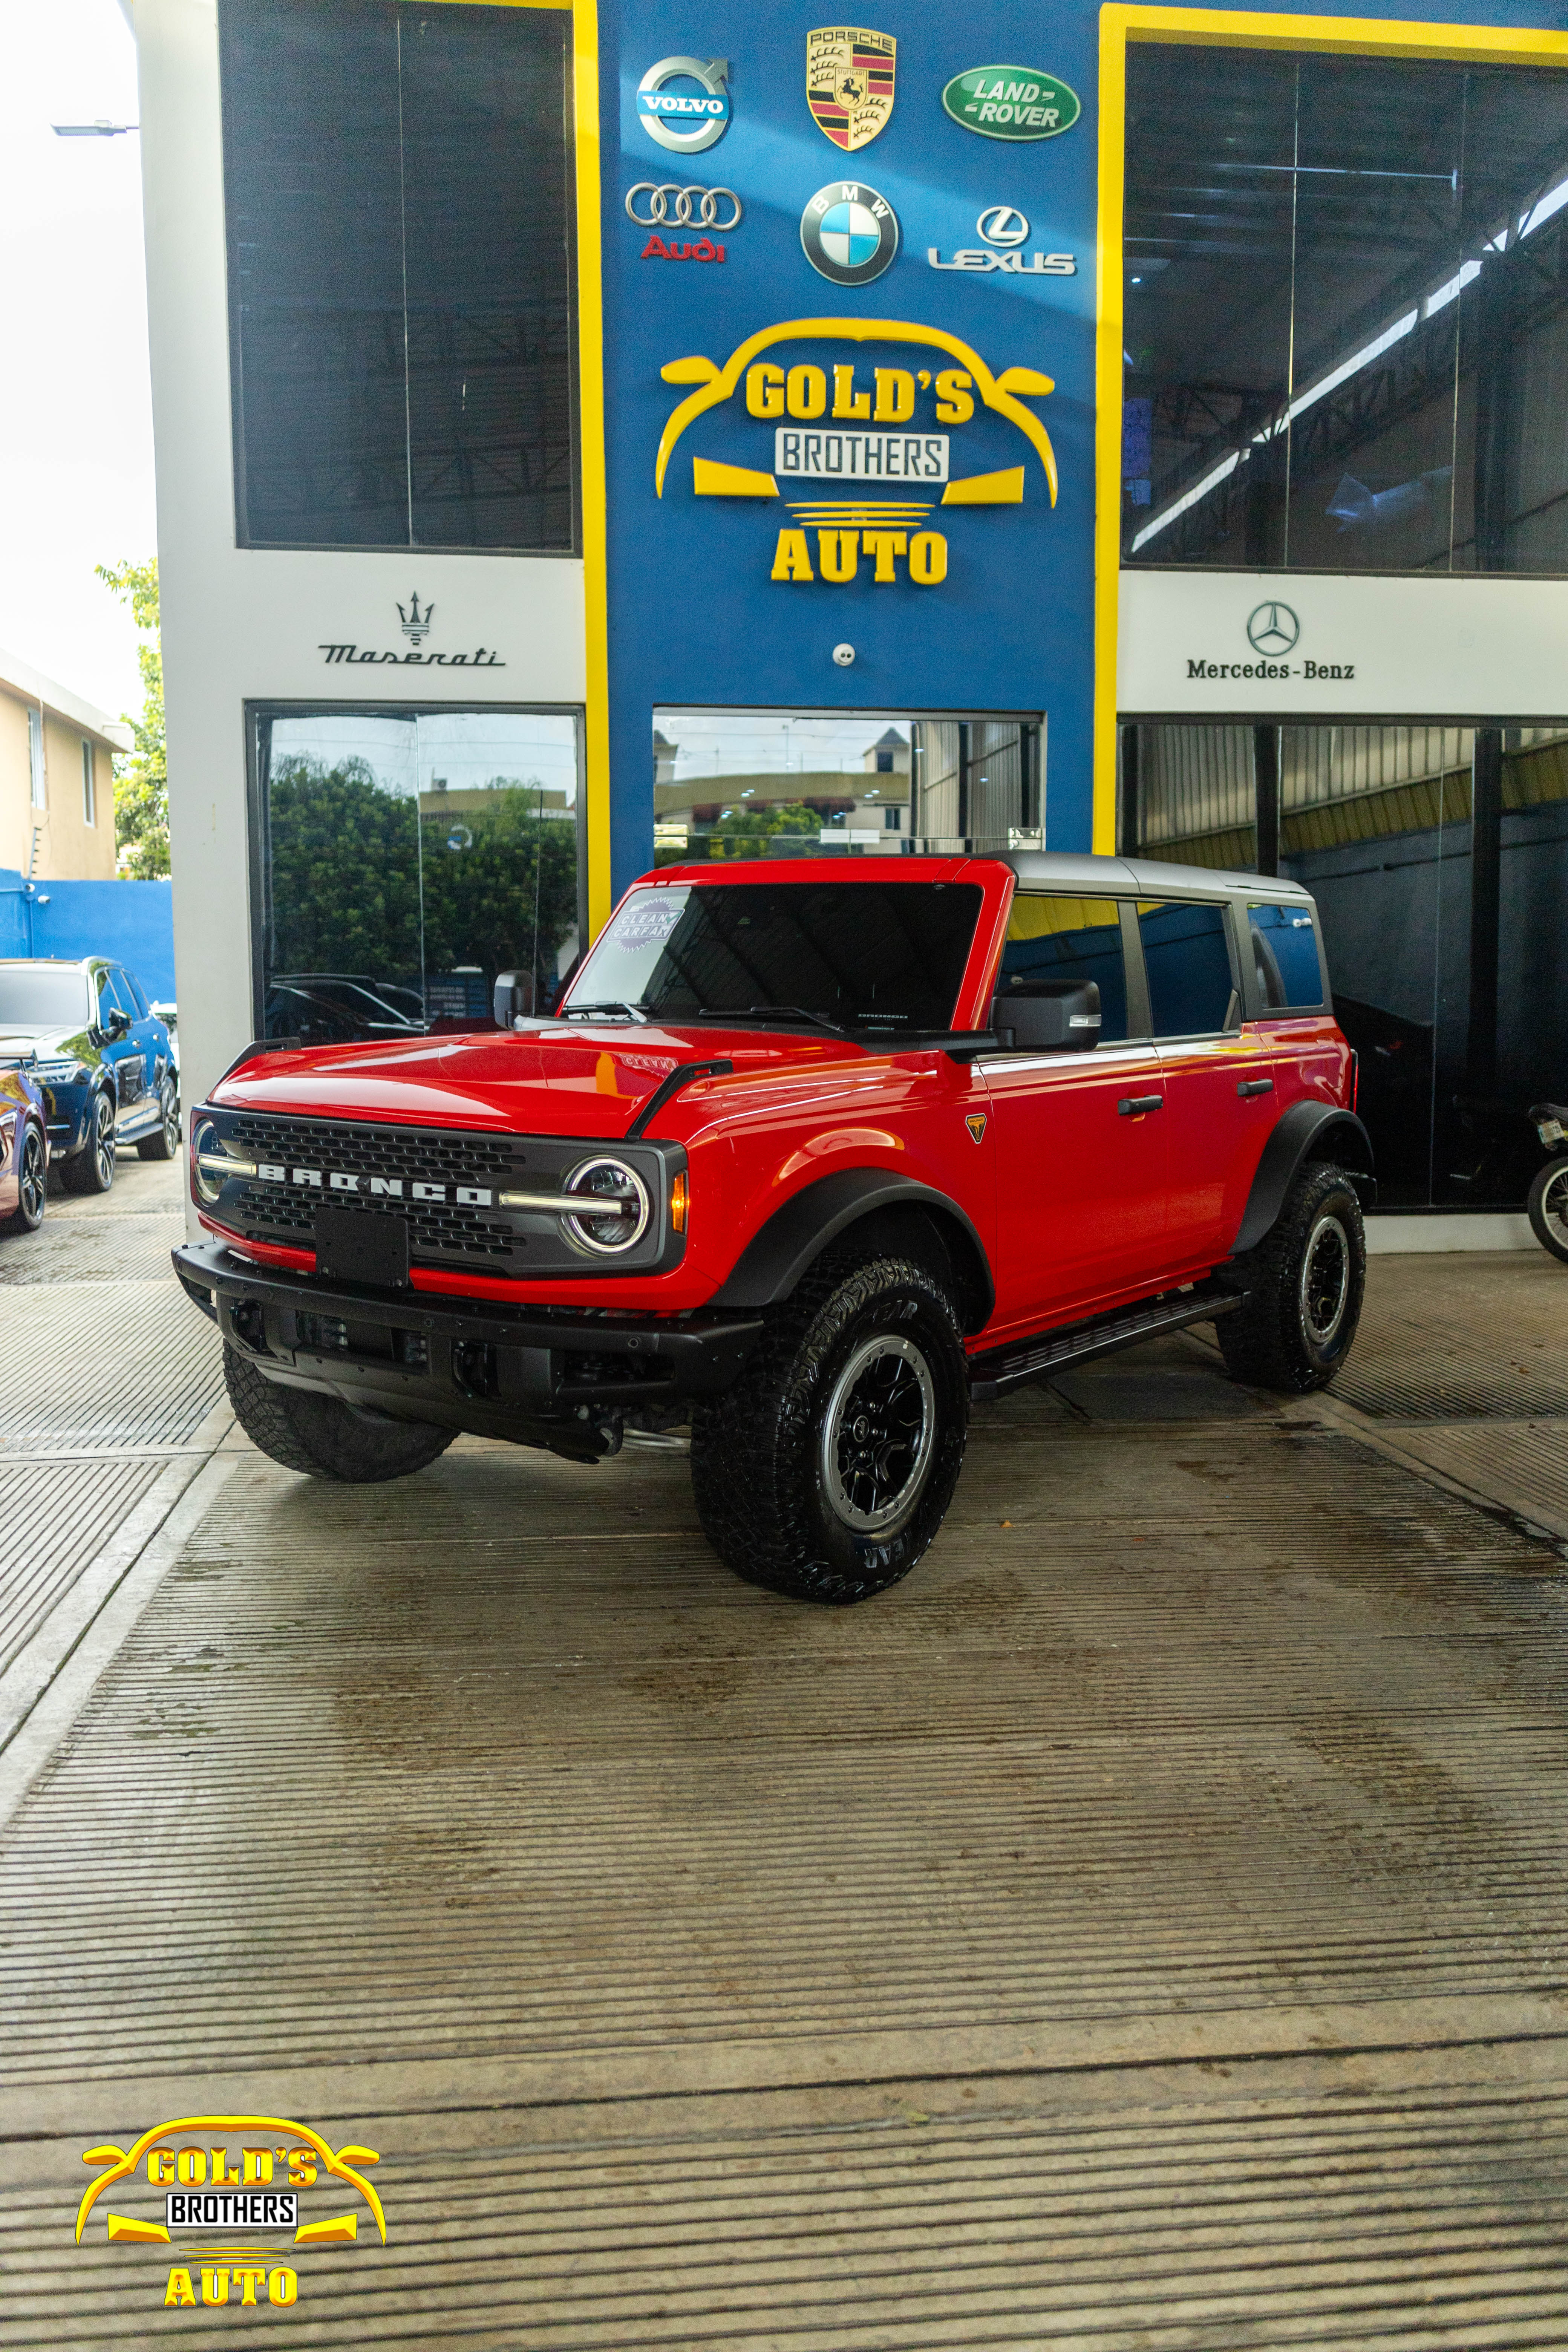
(782, 1250)
(1307, 1131)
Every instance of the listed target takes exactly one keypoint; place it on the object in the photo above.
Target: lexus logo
(1272, 629)
(1003, 225)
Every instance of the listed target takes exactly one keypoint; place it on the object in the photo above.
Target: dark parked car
(23, 1148)
(104, 1062)
(326, 1008)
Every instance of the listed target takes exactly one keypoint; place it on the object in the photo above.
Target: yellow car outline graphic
(122, 2162)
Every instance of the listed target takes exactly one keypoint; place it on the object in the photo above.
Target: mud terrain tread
(1261, 1341)
(320, 1436)
(748, 1444)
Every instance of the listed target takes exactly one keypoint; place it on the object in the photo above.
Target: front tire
(1548, 1206)
(165, 1144)
(1305, 1284)
(91, 1169)
(826, 1470)
(320, 1435)
(32, 1189)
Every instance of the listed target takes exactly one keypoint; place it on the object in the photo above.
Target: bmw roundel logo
(849, 232)
(1272, 629)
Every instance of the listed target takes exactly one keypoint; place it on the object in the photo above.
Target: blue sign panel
(849, 355)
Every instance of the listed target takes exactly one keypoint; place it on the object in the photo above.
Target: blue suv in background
(104, 1062)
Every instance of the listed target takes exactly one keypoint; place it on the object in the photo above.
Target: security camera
(844, 655)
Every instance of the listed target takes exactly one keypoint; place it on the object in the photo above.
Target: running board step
(993, 1374)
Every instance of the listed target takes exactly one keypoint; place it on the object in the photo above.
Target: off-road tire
(1283, 1336)
(91, 1169)
(32, 1187)
(166, 1143)
(758, 1468)
(320, 1435)
(1549, 1220)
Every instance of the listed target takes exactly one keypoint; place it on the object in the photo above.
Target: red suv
(812, 1155)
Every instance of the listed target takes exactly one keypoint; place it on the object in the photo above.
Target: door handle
(1134, 1105)
(1256, 1087)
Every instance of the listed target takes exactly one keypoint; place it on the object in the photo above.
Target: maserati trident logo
(1272, 629)
(416, 623)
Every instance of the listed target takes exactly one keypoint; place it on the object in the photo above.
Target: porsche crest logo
(849, 83)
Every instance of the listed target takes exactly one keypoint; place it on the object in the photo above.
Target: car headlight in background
(58, 1071)
(624, 1216)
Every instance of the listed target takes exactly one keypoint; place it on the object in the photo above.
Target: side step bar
(991, 1375)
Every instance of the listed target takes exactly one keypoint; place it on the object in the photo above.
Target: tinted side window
(1070, 939)
(1285, 957)
(1187, 960)
(130, 996)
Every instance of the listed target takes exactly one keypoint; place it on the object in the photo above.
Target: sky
(765, 742)
(76, 425)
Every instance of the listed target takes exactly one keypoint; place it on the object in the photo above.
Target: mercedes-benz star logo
(1272, 629)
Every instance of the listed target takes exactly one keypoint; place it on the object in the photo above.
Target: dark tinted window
(131, 991)
(1285, 957)
(1070, 939)
(879, 955)
(1188, 964)
(400, 248)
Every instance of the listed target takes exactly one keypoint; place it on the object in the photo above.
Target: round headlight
(623, 1218)
(207, 1180)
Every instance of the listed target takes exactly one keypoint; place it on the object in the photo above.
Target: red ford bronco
(812, 1155)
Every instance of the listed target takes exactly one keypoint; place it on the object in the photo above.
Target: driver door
(1081, 1168)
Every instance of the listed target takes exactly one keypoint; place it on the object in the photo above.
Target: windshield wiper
(613, 1004)
(795, 1012)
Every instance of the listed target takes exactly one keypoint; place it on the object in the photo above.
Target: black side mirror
(1050, 1016)
(116, 1023)
(513, 994)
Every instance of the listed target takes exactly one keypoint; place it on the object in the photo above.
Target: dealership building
(590, 435)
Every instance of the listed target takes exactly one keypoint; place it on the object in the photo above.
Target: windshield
(885, 956)
(34, 999)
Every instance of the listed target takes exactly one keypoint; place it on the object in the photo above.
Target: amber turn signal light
(678, 1199)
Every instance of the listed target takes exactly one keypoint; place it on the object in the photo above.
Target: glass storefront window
(1438, 858)
(403, 860)
(400, 234)
(753, 784)
(1346, 313)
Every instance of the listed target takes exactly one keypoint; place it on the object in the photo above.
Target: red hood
(588, 1078)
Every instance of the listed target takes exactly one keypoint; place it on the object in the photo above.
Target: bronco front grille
(440, 1232)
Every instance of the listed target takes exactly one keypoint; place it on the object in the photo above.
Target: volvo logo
(1272, 629)
(672, 204)
(685, 121)
(1003, 225)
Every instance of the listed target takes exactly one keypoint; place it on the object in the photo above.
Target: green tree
(749, 833)
(141, 775)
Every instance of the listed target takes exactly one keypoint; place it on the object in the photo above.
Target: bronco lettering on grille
(381, 1187)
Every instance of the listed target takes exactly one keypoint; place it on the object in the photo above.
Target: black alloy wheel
(33, 1186)
(1548, 1206)
(91, 1169)
(826, 1470)
(166, 1143)
(1304, 1284)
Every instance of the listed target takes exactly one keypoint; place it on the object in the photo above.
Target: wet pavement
(1144, 1927)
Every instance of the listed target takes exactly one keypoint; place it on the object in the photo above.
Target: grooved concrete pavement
(1144, 1927)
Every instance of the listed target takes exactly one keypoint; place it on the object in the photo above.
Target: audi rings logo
(674, 205)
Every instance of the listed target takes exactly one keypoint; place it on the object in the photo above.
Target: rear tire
(1548, 1206)
(320, 1435)
(33, 1185)
(1305, 1283)
(826, 1470)
(166, 1143)
(91, 1169)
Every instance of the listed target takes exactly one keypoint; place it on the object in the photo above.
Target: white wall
(242, 625)
(1429, 647)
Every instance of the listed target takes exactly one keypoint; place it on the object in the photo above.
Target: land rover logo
(1272, 629)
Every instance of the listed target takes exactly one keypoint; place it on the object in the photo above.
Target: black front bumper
(561, 1377)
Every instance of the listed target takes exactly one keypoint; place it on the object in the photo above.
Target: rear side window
(1187, 960)
(130, 988)
(1070, 939)
(1284, 943)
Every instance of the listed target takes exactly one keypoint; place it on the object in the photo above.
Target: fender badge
(975, 1122)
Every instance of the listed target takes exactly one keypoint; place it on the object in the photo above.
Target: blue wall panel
(132, 921)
